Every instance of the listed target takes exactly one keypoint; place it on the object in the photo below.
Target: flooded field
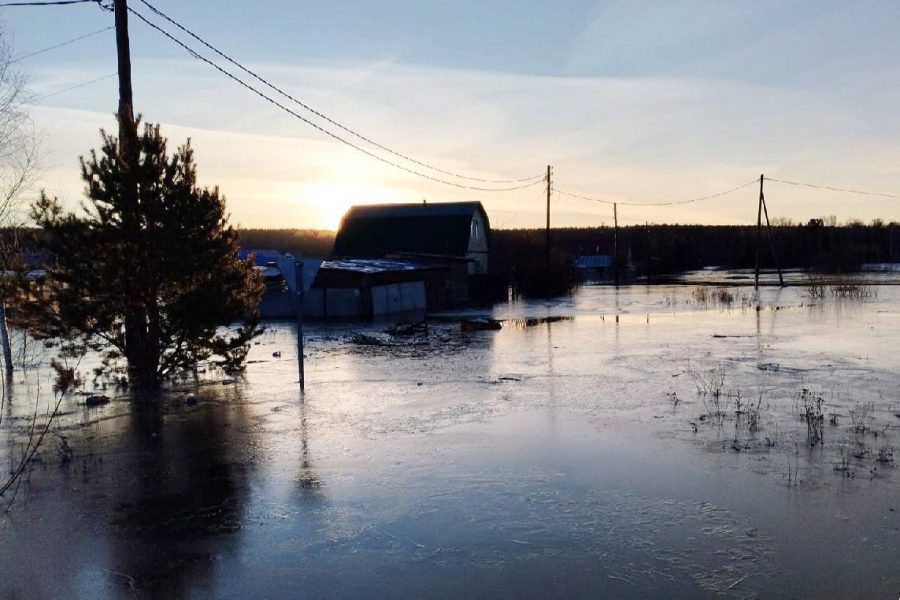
(652, 441)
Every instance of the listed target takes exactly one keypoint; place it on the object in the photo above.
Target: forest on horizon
(820, 244)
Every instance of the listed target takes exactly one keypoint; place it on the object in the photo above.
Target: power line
(75, 87)
(352, 132)
(49, 3)
(59, 45)
(330, 134)
(671, 203)
(830, 188)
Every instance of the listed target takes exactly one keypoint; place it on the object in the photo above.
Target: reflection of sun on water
(332, 200)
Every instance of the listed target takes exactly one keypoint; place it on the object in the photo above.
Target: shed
(445, 229)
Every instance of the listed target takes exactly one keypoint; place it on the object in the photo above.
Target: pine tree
(150, 285)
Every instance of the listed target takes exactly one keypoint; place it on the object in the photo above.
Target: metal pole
(298, 282)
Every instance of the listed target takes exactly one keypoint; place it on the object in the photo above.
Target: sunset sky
(628, 101)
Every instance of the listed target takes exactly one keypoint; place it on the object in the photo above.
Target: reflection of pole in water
(551, 375)
(304, 441)
(308, 482)
(758, 330)
(298, 300)
(618, 307)
(775, 311)
(6, 398)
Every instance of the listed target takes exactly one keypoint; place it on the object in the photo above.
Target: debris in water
(481, 325)
(362, 339)
(65, 450)
(96, 400)
(534, 321)
(404, 329)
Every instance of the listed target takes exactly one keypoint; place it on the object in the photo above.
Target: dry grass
(820, 287)
(715, 296)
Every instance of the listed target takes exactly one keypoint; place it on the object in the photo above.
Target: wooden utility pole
(772, 242)
(616, 240)
(547, 250)
(136, 333)
(760, 211)
(127, 131)
(758, 231)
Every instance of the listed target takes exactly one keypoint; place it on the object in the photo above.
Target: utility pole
(547, 251)
(136, 334)
(772, 242)
(760, 211)
(758, 232)
(127, 131)
(616, 240)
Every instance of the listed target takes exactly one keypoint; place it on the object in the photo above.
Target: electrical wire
(321, 115)
(75, 87)
(671, 203)
(49, 3)
(330, 134)
(59, 45)
(830, 188)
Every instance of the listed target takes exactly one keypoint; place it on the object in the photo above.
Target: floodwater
(585, 455)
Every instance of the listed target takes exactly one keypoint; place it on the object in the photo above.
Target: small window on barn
(474, 231)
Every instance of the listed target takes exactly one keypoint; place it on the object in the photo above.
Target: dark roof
(437, 228)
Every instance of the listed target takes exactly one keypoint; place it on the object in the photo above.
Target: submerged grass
(715, 296)
(819, 287)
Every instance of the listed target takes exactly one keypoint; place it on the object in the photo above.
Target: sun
(330, 201)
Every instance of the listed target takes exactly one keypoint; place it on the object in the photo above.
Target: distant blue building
(263, 258)
(277, 301)
(595, 267)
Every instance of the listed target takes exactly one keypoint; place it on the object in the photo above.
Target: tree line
(669, 249)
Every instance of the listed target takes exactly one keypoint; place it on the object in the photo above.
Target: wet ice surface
(548, 459)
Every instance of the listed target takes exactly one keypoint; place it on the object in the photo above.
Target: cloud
(642, 138)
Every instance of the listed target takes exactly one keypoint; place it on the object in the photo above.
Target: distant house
(595, 267)
(446, 230)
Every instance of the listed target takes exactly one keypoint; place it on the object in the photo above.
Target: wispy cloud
(678, 130)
